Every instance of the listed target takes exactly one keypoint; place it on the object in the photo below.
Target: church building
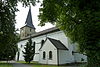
(51, 45)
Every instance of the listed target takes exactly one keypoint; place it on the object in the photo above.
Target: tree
(8, 37)
(9, 50)
(80, 21)
(29, 51)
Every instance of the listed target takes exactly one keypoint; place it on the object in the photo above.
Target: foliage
(9, 49)
(80, 20)
(5, 65)
(8, 35)
(29, 51)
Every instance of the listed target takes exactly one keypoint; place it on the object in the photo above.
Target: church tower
(29, 28)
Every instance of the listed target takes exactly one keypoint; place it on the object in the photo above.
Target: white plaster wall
(65, 40)
(36, 57)
(37, 40)
(21, 58)
(59, 35)
(48, 46)
(78, 57)
(65, 57)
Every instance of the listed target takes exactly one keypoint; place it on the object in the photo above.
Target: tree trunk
(29, 62)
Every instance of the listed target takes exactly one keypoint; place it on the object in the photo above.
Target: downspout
(58, 56)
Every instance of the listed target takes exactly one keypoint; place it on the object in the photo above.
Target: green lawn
(33, 64)
(36, 64)
(27, 63)
(21, 62)
(5, 65)
(54, 66)
(44, 66)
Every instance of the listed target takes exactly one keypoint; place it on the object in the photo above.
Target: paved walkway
(20, 65)
(26, 65)
(15, 64)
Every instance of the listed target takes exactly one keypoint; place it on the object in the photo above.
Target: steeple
(29, 22)
(29, 28)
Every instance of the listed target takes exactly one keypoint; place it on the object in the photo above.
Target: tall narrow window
(50, 54)
(42, 42)
(44, 55)
(21, 46)
(34, 46)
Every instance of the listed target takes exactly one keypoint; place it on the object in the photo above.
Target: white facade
(48, 46)
(65, 56)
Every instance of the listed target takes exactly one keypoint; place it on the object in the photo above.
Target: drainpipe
(58, 56)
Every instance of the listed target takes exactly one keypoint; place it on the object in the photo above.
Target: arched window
(44, 55)
(50, 54)
(21, 46)
(34, 46)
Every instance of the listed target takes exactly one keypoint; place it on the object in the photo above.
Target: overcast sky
(22, 15)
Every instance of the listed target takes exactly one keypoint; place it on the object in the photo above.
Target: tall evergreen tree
(29, 51)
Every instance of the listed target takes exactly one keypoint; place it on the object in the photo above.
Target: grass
(54, 66)
(21, 62)
(45, 66)
(5, 65)
(27, 63)
(85, 65)
(36, 64)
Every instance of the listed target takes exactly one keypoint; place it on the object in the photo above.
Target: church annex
(51, 45)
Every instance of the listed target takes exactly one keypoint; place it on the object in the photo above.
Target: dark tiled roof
(29, 22)
(58, 44)
(45, 31)
(50, 30)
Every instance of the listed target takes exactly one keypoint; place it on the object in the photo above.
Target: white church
(51, 45)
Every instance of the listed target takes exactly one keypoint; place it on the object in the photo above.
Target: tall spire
(29, 22)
